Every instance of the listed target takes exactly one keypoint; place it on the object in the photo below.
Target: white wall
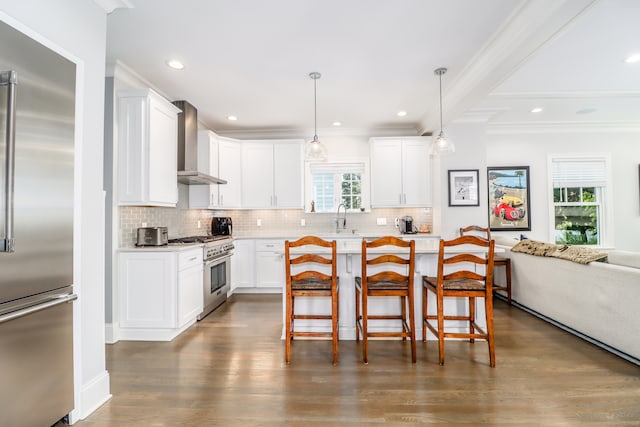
(478, 148)
(77, 29)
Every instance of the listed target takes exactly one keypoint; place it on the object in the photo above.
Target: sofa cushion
(505, 241)
(534, 247)
(624, 258)
(579, 254)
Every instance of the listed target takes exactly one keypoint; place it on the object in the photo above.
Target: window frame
(365, 188)
(602, 193)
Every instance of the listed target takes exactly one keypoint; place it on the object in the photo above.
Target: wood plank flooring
(228, 370)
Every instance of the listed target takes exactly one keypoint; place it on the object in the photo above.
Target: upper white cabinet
(147, 147)
(206, 196)
(272, 174)
(229, 169)
(400, 172)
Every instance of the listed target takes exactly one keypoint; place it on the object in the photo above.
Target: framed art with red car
(508, 197)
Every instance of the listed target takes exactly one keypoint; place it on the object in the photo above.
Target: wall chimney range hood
(188, 148)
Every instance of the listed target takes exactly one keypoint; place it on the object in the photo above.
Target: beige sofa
(599, 301)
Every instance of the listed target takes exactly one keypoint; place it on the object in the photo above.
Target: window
(334, 183)
(579, 189)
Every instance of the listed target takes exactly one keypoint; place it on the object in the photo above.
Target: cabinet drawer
(269, 245)
(189, 258)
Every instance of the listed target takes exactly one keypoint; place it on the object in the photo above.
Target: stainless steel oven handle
(61, 299)
(9, 79)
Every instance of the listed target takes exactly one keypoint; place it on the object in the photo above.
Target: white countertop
(166, 248)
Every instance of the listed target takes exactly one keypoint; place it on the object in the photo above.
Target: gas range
(214, 246)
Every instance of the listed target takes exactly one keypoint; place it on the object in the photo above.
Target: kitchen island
(350, 265)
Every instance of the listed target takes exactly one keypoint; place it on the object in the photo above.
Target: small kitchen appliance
(221, 226)
(406, 225)
(152, 236)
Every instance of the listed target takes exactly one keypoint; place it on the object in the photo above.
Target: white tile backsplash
(184, 222)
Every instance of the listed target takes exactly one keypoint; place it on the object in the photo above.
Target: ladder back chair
(498, 261)
(461, 280)
(386, 281)
(311, 272)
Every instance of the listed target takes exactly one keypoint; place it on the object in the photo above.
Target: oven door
(217, 281)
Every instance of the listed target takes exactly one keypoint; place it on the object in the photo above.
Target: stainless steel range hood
(188, 148)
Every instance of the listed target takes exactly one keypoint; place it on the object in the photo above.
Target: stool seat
(457, 284)
(311, 284)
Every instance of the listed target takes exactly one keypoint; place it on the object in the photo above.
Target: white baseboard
(92, 396)
(110, 334)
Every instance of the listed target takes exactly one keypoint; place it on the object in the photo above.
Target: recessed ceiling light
(175, 64)
(402, 113)
(632, 58)
(536, 110)
(232, 118)
(337, 124)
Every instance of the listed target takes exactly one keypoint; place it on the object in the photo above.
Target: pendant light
(441, 145)
(315, 149)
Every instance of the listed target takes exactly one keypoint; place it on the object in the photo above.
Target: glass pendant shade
(315, 150)
(442, 145)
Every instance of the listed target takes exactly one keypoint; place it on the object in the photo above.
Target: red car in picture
(506, 211)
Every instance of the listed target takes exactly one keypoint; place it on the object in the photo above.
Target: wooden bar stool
(386, 283)
(464, 282)
(303, 280)
(498, 261)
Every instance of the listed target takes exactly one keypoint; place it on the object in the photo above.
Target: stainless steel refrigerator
(37, 112)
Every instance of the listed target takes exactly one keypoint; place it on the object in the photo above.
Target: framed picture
(463, 188)
(508, 194)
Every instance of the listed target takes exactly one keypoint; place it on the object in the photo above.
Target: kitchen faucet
(344, 219)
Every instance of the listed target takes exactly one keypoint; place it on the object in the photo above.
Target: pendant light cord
(440, 75)
(315, 112)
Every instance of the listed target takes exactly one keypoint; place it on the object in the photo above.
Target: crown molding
(306, 134)
(111, 5)
(561, 127)
(566, 95)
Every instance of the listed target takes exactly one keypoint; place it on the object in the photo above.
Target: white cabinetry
(147, 147)
(160, 293)
(242, 264)
(230, 169)
(400, 172)
(272, 174)
(270, 264)
(257, 266)
(206, 196)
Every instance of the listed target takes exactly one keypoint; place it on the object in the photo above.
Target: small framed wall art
(463, 188)
(508, 194)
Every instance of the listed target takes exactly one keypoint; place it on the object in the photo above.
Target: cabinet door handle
(193, 258)
(275, 200)
(400, 197)
(221, 200)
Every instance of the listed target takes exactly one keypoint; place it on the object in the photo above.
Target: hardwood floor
(229, 370)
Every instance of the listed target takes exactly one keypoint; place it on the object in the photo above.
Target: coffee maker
(406, 225)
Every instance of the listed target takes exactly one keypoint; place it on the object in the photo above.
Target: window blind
(586, 172)
(336, 168)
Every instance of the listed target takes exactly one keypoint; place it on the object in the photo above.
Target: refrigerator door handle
(9, 79)
(60, 299)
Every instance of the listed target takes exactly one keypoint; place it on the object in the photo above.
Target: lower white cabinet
(160, 293)
(270, 264)
(257, 266)
(242, 265)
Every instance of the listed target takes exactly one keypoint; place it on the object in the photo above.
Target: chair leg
(334, 325)
(508, 278)
(365, 333)
(288, 323)
(472, 316)
(425, 301)
(412, 325)
(490, 338)
(357, 314)
(441, 328)
(403, 304)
